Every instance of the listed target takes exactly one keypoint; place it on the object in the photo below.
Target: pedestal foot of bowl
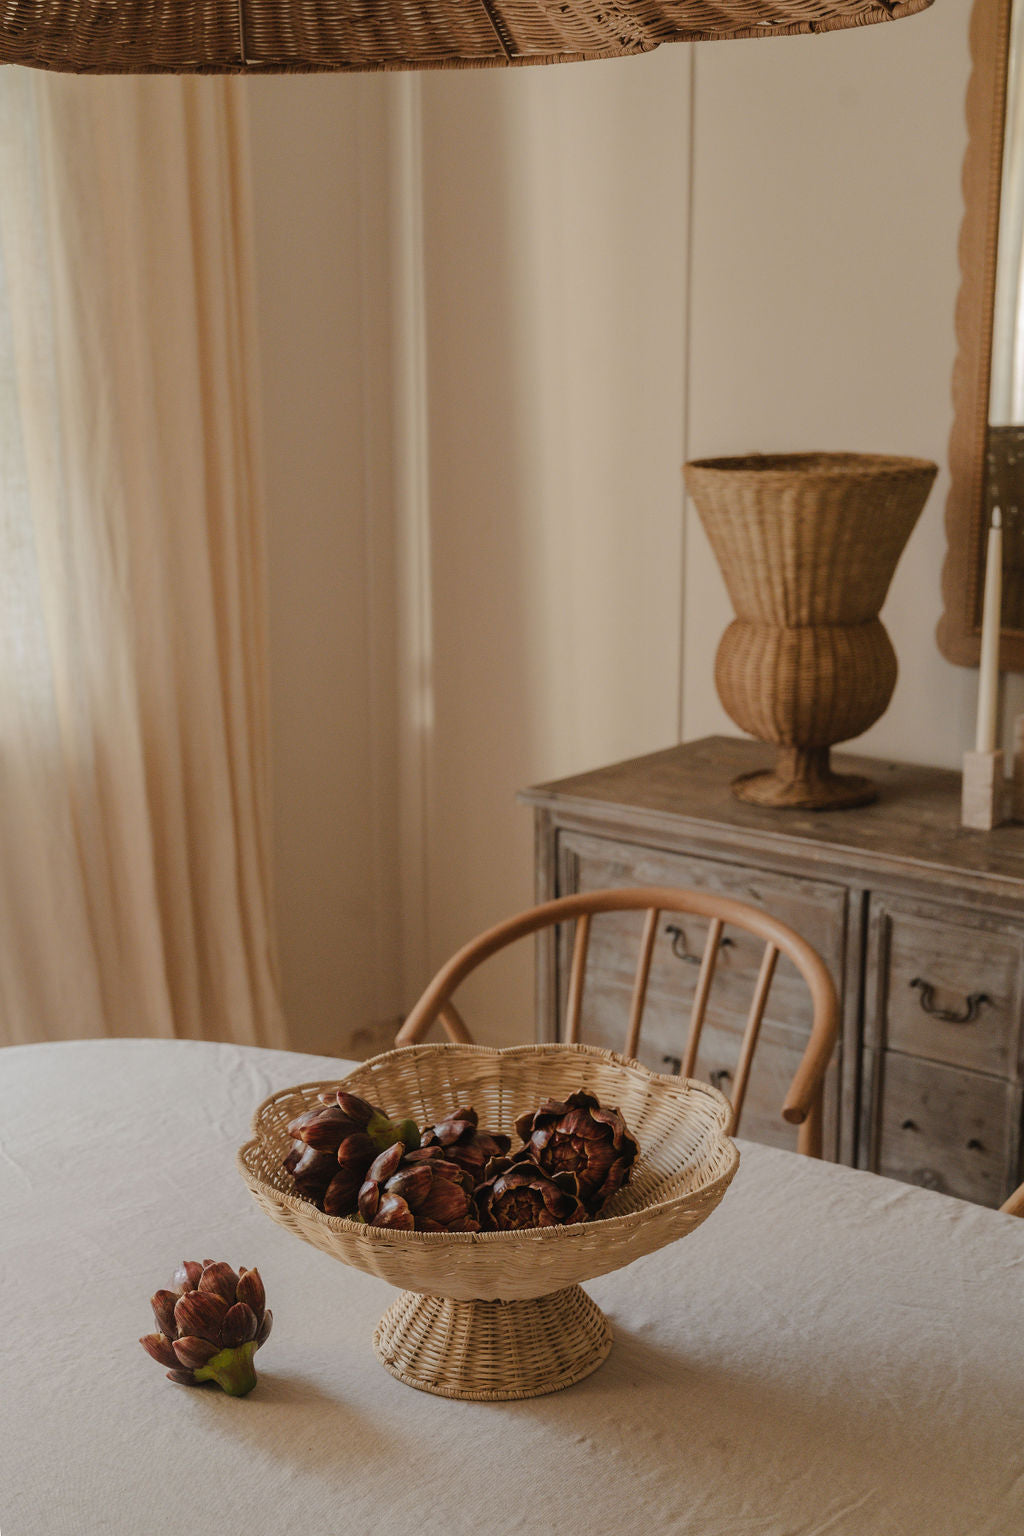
(802, 780)
(492, 1351)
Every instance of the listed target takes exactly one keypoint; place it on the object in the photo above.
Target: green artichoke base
(232, 1369)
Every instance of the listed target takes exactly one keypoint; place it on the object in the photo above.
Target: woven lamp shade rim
(290, 36)
(838, 466)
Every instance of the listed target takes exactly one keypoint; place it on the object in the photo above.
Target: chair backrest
(803, 1102)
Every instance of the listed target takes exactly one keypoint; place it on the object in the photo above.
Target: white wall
(827, 206)
(488, 348)
(554, 241)
(319, 159)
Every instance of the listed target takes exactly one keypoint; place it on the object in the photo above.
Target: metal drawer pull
(972, 1008)
(674, 1064)
(680, 948)
(719, 1078)
(909, 1125)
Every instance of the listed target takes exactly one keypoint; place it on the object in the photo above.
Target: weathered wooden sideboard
(920, 921)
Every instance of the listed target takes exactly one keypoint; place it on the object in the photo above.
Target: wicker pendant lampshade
(280, 36)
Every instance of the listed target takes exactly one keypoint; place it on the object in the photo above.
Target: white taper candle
(991, 614)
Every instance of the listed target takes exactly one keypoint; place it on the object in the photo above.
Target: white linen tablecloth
(830, 1354)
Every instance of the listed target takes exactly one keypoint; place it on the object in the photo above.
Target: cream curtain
(134, 860)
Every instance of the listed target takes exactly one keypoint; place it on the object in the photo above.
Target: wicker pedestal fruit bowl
(500, 1315)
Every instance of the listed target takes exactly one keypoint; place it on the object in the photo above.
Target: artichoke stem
(232, 1369)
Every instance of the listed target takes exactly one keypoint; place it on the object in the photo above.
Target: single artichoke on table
(519, 1194)
(211, 1326)
(418, 1191)
(334, 1144)
(463, 1142)
(581, 1137)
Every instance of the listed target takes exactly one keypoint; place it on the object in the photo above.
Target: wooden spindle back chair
(803, 1102)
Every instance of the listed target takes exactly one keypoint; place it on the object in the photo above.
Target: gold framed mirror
(986, 447)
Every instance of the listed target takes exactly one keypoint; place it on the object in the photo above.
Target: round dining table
(830, 1354)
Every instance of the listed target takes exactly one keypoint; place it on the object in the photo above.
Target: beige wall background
(323, 233)
(498, 311)
(827, 208)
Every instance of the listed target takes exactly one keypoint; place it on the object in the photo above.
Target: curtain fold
(135, 886)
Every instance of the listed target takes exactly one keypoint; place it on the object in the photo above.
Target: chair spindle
(454, 1025)
(753, 1029)
(576, 975)
(705, 977)
(643, 972)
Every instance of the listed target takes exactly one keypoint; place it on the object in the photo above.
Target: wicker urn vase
(808, 544)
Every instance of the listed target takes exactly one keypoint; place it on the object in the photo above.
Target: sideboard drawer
(815, 908)
(944, 989)
(945, 1129)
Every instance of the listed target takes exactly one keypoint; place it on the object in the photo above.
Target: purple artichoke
(461, 1140)
(580, 1137)
(211, 1325)
(334, 1144)
(518, 1193)
(311, 1170)
(418, 1191)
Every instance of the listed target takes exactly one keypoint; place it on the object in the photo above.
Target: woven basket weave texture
(783, 682)
(685, 1165)
(493, 1351)
(234, 36)
(807, 545)
(809, 538)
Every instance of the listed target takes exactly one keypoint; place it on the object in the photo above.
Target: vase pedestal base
(492, 1351)
(803, 781)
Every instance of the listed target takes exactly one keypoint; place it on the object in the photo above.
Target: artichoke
(518, 1193)
(210, 1325)
(334, 1144)
(581, 1137)
(311, 1170)
(461, 1140)
(418, 1191)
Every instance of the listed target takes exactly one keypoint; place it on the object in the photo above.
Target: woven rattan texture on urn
(685, 1165)
(237, 36)
(807, 544)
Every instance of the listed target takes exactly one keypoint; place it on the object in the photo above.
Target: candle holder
(983, 796)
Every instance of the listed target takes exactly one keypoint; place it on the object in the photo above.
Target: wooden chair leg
(809, 1135)
(1015, 1205)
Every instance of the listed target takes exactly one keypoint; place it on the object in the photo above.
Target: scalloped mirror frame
(959, 630)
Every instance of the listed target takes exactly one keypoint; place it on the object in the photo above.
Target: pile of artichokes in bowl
(509, 1224)
(351, 1159)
